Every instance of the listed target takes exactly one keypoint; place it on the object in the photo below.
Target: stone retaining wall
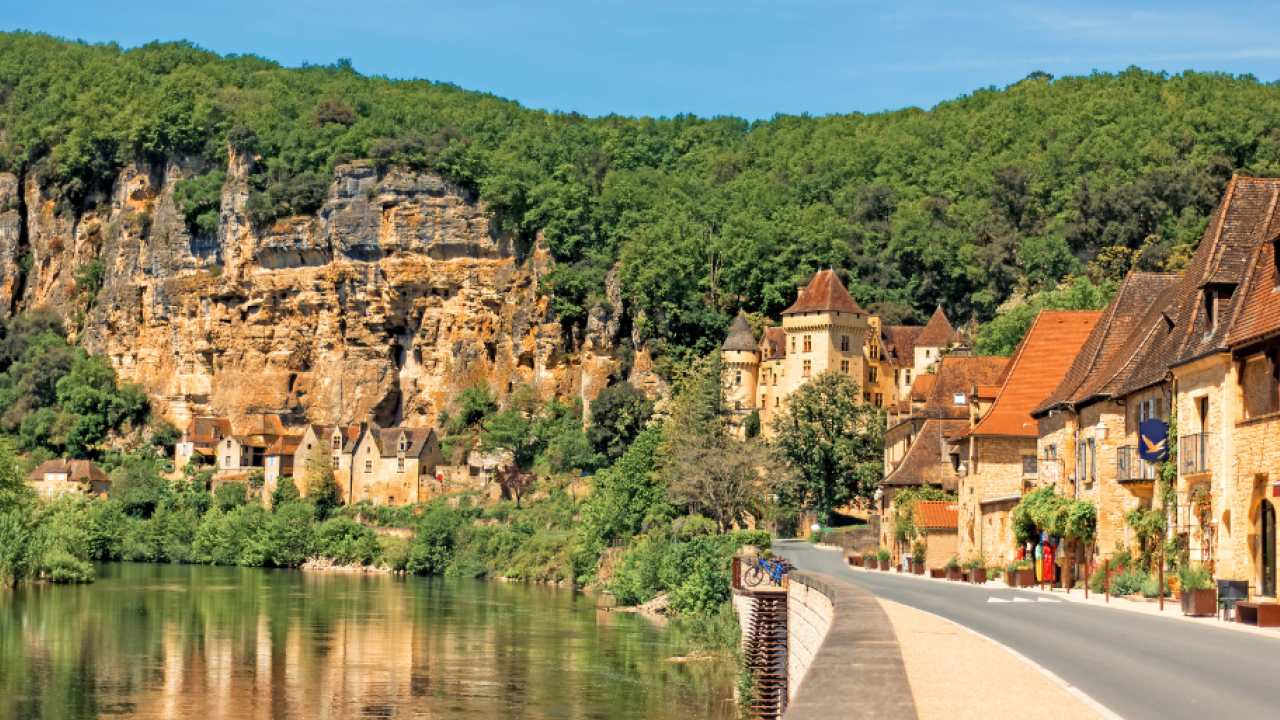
(844, 660)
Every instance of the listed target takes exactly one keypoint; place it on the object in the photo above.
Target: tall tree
(831, 441)
(322, 485)
(727, 479)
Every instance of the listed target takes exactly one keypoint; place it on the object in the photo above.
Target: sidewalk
(1172, 608)
(950, 670)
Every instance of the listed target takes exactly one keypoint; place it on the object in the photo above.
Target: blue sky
(748, 58)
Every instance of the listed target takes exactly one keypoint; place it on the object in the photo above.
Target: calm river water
(175, 641)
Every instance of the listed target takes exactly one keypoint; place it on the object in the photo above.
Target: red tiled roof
(1035, 370)
(937, 515)
(74, 469)
(824, 293)
(286, 445)
(921, 387)
(937, 333)
(1259, 314)
(208, 429)
(923, 464)
(774, 343)
(957, 374)
(1114, 342)
(900, 344)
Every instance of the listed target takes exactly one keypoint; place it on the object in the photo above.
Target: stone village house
(53, 478)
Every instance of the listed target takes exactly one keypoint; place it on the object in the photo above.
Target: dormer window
(957, 399)
(403, 444)
(1216, 298)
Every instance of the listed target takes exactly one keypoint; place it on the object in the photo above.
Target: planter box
(870, 563)
(937, 573)
(917, 568)
(1200, 602)
(884, 565)
(1009, 577)
(854, 560)
(1025, 578)
(978, 576)
(955, 573)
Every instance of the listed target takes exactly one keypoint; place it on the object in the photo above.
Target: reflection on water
(169, 641)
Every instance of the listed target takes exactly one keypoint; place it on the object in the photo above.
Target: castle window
(737, 377)
(776, 401)
(808, 344)
(928, 353)
(226, 461)
(368, 466)
(807, 367)
(337, 444)
(879, 399)
(844, 343)
(403, 444)
(866, 397)
(793, 343)
(335, 461)
(400, 465)
(875, 374)
(844, 366)
(897, 378)
(908, 380)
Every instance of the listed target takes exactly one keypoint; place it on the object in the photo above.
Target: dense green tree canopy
(996, 192)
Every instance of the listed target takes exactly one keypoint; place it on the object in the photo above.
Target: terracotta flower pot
(1026, 578)
(917, 568)
(955, 573)
(978, 576)
(884, 565)
(1009, 578)
(1200, 602)
(870, 563)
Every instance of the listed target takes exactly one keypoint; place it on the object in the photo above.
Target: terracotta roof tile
(938, 515)
(899, 342)
(774, 343)
(924, 462)
(286, 445)
(1115, 340)
(956, 375)
(825, 292)
(937, 333)
(74, 469)
(1035, 370)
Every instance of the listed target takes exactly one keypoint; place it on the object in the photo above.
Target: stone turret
(740, 354)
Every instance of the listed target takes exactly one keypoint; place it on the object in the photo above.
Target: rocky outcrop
(394, 296)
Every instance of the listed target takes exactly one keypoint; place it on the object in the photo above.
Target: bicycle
(762, 568)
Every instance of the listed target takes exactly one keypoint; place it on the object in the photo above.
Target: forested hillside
(996, 193)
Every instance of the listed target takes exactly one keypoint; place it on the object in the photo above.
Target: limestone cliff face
(393, 297)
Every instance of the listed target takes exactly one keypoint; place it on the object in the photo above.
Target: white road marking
(996, 599)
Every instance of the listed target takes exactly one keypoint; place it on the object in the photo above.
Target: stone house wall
(999, 474)
(1214, 379)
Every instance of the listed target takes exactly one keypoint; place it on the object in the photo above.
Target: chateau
(825, 329)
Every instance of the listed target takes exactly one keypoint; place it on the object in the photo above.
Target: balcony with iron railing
(1131, 468)
(1193, 453)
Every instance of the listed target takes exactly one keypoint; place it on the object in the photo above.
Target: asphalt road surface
(1138, 666)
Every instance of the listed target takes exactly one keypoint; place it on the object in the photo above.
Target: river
(182, 641)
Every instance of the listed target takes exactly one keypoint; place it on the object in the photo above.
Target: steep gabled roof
(956, 375)
(208, 429)
(1114, 342)
(1259, 313)
(899, 342)
(923, 463)
(774, 343)
(937, 333)
(921, 387)
(740, 338)
(1035, 370)
(824, 293)
(415, 440)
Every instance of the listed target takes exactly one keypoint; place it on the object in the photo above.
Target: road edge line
(1072, 690)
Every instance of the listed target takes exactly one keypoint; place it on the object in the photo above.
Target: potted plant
(954, 571)
(918, 552)
(1199, 596)
(1025, 574)
(883, 557)
(1011, 574)
(870, 561)
(977, 567)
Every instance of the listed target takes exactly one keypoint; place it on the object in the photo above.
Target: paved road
(1137, 666)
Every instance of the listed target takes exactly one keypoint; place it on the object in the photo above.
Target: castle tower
(825, 330)
(740, 354)
(933, 341)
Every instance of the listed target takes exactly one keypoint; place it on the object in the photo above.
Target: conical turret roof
(740, 338)
(824, 293)
(937, 333)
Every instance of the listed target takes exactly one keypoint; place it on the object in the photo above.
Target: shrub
(285, 492)
(346, 541)
(1195, 577)
(230, 496)
(61, 567)
(883, 555)
(953, 562)
(1150, 587)
(975, 563)
(919, 551)
(290, 534)
(431, 551)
